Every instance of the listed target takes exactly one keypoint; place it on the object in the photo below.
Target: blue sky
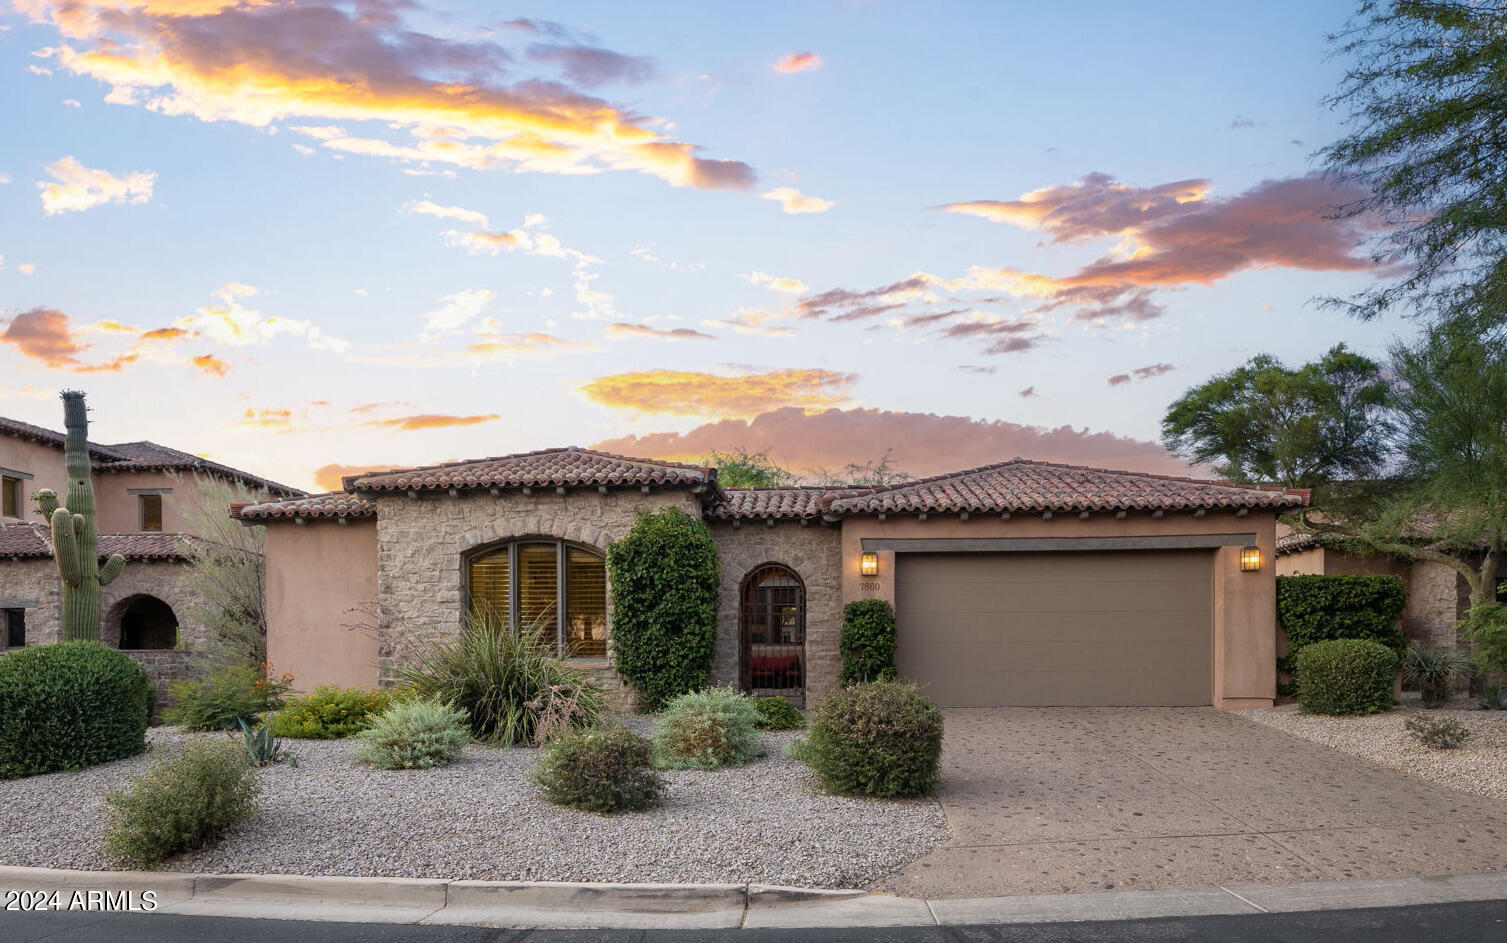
(281, 243)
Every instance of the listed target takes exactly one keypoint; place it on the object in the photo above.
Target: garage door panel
(1099, 629)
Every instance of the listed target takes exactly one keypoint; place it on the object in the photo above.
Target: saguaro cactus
(75, 539)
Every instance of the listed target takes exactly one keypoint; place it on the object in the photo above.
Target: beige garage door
(1059, 628)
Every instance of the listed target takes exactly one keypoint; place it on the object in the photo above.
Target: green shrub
(602, 769)
(501, 675)
(665, 580)
(867, 642)
(329, 713)
(229, 695)
(1314, 608)
(263, 748)
(1493, 698)
(1346, 676)
(1432, 669)
(1485, 626)
(70, 705)
(877, 739)
(707, 729)
(413, 734)
(777, 713)
(1437, 733)
(180, 803)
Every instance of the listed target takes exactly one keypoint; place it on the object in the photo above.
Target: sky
(311, 238)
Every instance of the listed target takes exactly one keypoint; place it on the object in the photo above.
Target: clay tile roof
(149, 456)
(1026, 486)
(781, 503)
(338, 504)
(1297, 543)
(25, 430)
(32, 541)
(550, 468)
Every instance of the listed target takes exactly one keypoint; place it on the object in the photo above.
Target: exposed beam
(882, 515)
(601, 489)
(644, 488)
(1082, 515)
(1004, 515)
(560, 490)
(963, 516)
(921, 516)
(1120, 515)
(496, 492)
(1200, 512)
(1242, 512)
(1046, 515)
(1158, 513)
(527, 491)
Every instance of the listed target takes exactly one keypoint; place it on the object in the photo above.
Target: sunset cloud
(430, 421)
(923, 443)
(781, 283)
(271, 420)
(1141, 373)
(458, 213)
(755, 322)
(328, 477)
(622, 330)
(591, 66)
(792, 62)
(44, 334)
(455, 312)
(673, 392)
(494, 346)
(210, 364)
(230, 323)
(75, 188)
(349, 61)
(793, 202)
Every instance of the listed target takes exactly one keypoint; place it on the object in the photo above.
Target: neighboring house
(138, 487)
(1017, 583)
(1437, 595)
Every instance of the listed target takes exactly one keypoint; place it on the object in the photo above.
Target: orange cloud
(507, 346)
(164, 334)
(327, 477)
(794, 202)
(923, 443)
(430, 421)
(622, 330)
(44, 334)
(210, 364)
(792, 62)
(672, 392)
(272, 420)
(258, 63)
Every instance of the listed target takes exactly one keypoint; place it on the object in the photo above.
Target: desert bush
(1346, 676)
(70, 705)
(878, 739)
(1493, 698)
(601, 769)
(1437, 733)
(228, 695)
(665, 579)
(329, 713)
(707, 729)
(414, 734)
(1432, 669)
(501, 675)
(867, 642)
(777, 713)
(180, 803)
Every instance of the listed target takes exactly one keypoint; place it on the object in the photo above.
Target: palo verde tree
(740, 468)
(75, 535)
(1265, 423)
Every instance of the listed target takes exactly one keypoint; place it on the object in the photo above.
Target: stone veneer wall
(1437, 598)
(32, 585)
(815, 554)
(422, 542)
(163, 666)
(36, 582)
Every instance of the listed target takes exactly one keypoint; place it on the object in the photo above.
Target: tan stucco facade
(321, 590)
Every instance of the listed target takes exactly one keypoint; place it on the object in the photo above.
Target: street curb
(697, 906)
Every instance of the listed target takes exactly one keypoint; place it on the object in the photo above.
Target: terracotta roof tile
(25, 430)
(338, 504)
(1297, 543)
(32, 541)
(780, 503)
(549, 468)
(1026, 486)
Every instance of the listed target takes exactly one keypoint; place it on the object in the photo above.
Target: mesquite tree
(75, 538)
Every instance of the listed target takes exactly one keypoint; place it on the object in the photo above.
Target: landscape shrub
(263, 748)
(70, 705)
(329, 713)
(602, 769)
(1485, 626)
(501, 675)
(180, 803)
(1437, 733)
(777, 713)
(880, 739)
(867, 642)
(1493, 698)
(665, 579)
(1346, 676)
(1432, 669)
(707, 729)
(228, 695)
(414, 734)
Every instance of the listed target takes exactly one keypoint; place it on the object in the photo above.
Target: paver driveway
(1053, 800)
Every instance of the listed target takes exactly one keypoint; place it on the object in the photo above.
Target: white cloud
(790, 286)
(454, 312)
(458, 213)
(26, 268)
(794, 202)
(232, 324)
(76, 188)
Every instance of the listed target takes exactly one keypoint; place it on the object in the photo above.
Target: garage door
(1063, 628)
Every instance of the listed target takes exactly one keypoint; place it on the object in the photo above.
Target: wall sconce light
(1250, 559)
(868, 564)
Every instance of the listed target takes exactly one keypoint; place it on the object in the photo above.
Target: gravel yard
(481, 818)
(1480, 766)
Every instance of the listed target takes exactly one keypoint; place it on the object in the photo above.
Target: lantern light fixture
(868, 564)
(1250, 559)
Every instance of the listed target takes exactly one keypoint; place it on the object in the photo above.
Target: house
(1016, 583)
(139, 489)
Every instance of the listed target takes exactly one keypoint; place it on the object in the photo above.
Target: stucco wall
(37, 580)
(42, 462)
(1245, 604)
(815, 554)
(422, 542)
(321, 590)
(120, 512)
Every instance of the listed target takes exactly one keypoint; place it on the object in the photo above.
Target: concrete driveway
(1054, 800)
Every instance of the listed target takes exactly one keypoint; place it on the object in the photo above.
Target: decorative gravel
(1479, 766)
(480, 818)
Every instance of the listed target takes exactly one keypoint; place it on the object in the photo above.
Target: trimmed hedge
(665, 579)
(70, 705)
(867, 642)
(1346, 676)
(1314, 608)
(878, 739)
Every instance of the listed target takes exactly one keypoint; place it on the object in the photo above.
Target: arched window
(774, 632)
(147, 622)
(533, 581)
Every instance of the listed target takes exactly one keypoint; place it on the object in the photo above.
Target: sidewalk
(682, 906)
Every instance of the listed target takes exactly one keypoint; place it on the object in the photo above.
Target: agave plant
(1432, 669)
(262, 747)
